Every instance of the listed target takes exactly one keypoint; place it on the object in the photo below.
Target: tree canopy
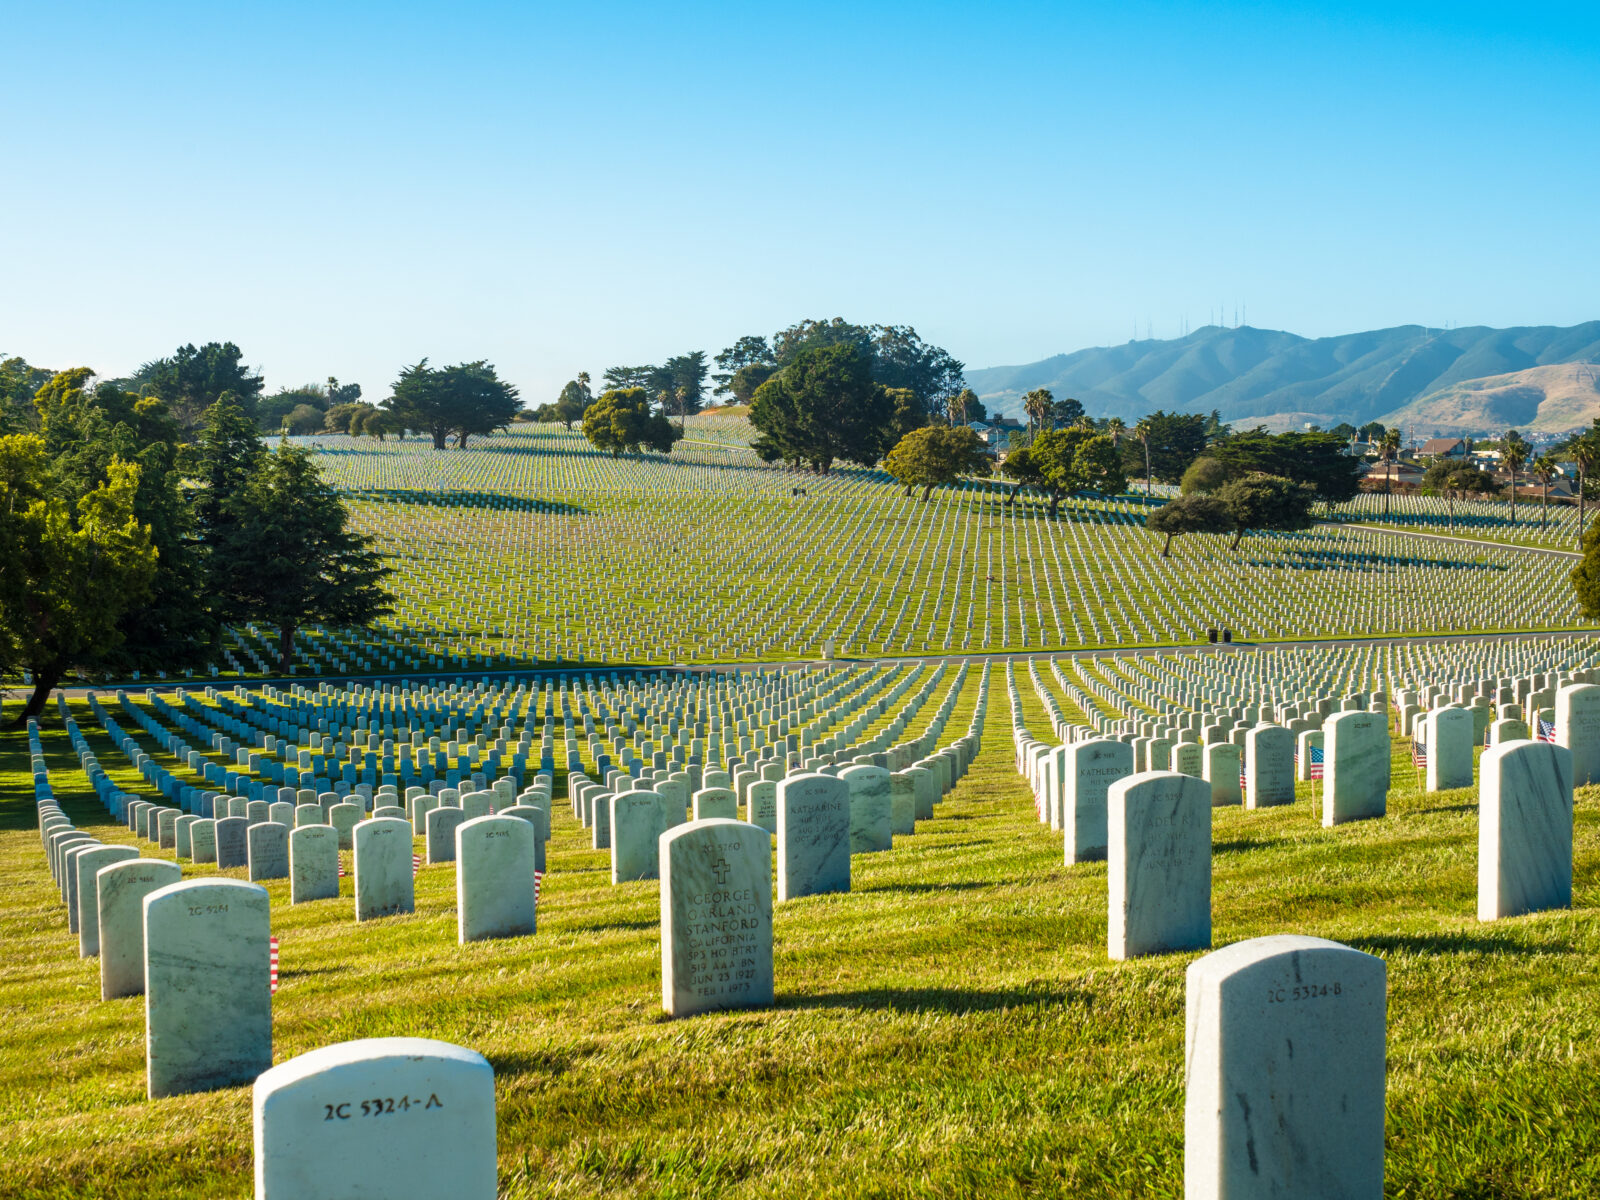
(934, 455)
(621, 422)
(191, 380)
(1586, 576)
(77, 560)
(574, 401)
(291, 557)
(1188, 514)
(1174, 441)
(1318, 459)
(1063, 461)
(822, 407)
(458, 401)
(1259, 501)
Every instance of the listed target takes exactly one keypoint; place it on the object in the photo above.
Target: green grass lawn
(952, 1027)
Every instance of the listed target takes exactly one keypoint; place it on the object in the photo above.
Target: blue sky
(345, 188)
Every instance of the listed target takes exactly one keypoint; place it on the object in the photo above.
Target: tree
(682, 379)
(193, 379)
(1388, 452)
(822, 407)
(347, 418)
(749, 351)
(458, 401)
(1065, 413)
(18, 384)
(374, 422)
(342, 393)
(1061, 462)
(1372, 431)
(75, 563)
(1586, 576)
(1544, 470)
(86, 431)
(619, 379)
(1514, 453)
(964, 407)
(1038, 406)
(1171, 442)
(748, 378)
(1142, 432)
(303, 419)
(1259, 501)
(1585, 451)
(1315, 458)
(1204, 477)
(292, 559)
(573, 402)
(620, 421)
(1188, 514)
(1344, 431)
(935, 455)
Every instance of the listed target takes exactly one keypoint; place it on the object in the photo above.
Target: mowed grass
(951, 1027)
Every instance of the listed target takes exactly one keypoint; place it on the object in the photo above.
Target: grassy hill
(1270, 377)
(1550, 399)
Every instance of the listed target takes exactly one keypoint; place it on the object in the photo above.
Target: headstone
(1088, 771)
(636, 827)
(120, 892)
(384, 884)
(1159, 870)
(203, 840)
(1525, 812)
(1285, 1071)
(1189, 758)
(313, 863)
(1269, 767)
(1448, 734)
(762, 808)
(1355, 772)
(716, 804)
(813, 836)
(496, 857)
(1222, 773)
(208, 1003)
(1578, 729)
(442, 824)
(267, 845)
(398, 1118)
(88, 866)
(716, 916)
(902, 803)
(870, 806)
(344, 818)
(233, 846)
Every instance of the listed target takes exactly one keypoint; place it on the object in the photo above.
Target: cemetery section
(856, 899)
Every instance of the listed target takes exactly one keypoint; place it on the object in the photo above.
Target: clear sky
(345, 187)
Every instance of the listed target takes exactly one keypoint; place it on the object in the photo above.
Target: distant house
(995, 430)
(1443, 448)
(1362, 450)
(1391, 477)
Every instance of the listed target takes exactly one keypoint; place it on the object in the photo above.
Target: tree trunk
(1238, 536)
(1544, 509)
(1055, 503)
(926, 492)
(461, 441)
(439, 439)
(1580, 510)
(1388, 490)
(1166, 551)
(1148, 486)
(1513, 502)
(286, 648)
(44, 682)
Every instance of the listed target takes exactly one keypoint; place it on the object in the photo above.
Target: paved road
(16, 695)
(1450, 537)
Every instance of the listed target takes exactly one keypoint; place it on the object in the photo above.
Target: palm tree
(1142, 431)
(1586, 453)
(1037, 406)
(1389, 448)
(1544, 470)
(1116, 427)
(1514, 453)
(955, 410)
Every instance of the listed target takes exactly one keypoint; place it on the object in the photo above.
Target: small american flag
(272, 961)
(1547, 730)
(416, 864)
(1315, 769)
(538, 878)
(1419, 754)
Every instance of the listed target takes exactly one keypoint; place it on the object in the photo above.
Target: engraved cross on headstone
(721, 868)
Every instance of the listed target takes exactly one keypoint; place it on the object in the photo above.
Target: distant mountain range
(1456, 381)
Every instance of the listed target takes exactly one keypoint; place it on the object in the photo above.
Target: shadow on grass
(609, 926)
(950, 1000)
(1239, 845)
(965, 886)
(1451, 943)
